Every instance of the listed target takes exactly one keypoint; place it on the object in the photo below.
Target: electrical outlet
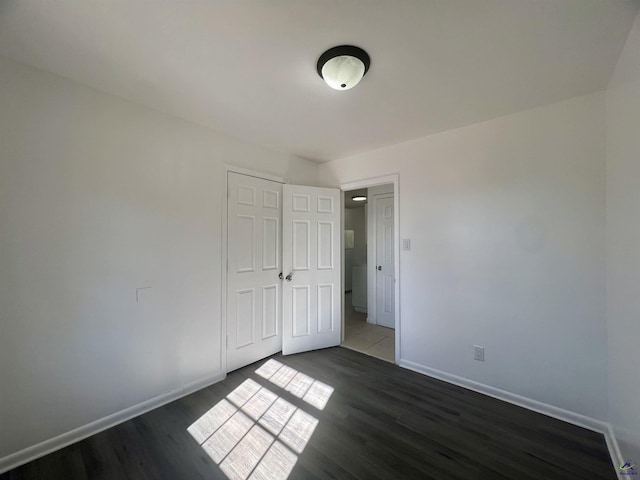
(478, 353)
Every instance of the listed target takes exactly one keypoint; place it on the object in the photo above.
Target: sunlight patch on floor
(312, 391)
(254, 434)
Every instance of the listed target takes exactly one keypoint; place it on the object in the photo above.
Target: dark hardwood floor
(381, 422)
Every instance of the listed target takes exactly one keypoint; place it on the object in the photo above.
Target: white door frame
(373, 182)
(223, 263)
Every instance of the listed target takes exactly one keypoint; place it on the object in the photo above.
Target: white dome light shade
(343, 67)
(343, 72)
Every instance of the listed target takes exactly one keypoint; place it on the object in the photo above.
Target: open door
(311, 296)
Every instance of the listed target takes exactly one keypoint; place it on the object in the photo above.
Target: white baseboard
(528, 403)
(525, 402)
(614, 450)
(56, 443)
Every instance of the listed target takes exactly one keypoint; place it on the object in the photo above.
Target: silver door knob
(280, 276)
(380, 267)
(288, 277)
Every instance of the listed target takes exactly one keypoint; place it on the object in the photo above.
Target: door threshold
(370, 354)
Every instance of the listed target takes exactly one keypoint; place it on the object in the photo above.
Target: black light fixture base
(338, 51)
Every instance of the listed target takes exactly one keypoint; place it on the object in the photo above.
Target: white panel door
(385, 289)
(254, 246)
(311, 300)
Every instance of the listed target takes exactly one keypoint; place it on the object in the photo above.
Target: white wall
(354, 220)
(507, 226)
(623, 247)
(99, 196)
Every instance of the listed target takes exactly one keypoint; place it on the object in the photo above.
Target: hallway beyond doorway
(365, 337)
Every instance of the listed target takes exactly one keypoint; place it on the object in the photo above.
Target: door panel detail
(301, 310)
(245, 249)
(270, 199)
(325, 308)
(270, 243)
(245, 317)
(270, 300)
(301, 203)
(311, 249)
(325, 204)
(246, 195)
(301, 247)
(325, 245)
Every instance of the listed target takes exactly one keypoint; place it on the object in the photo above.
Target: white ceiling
(247, 68)
(349, 203)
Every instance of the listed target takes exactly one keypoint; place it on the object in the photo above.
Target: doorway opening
(369, 266)
(281, 284)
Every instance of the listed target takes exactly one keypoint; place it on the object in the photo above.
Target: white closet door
(311, 300)
(254, 246)
(385, 287)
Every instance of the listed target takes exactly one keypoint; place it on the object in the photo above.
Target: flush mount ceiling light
(343, 67)
(359, 198)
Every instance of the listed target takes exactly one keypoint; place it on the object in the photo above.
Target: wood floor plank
(380, 422)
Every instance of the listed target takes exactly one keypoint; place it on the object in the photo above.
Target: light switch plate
(406, 244)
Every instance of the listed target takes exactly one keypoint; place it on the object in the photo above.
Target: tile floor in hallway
(365, 337)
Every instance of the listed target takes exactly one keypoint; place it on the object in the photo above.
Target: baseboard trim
(614, 451)
(530, 404)
(525, 402)
(56, 443)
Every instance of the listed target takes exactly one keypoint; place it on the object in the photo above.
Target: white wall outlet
(478, 353)
(406, 244)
